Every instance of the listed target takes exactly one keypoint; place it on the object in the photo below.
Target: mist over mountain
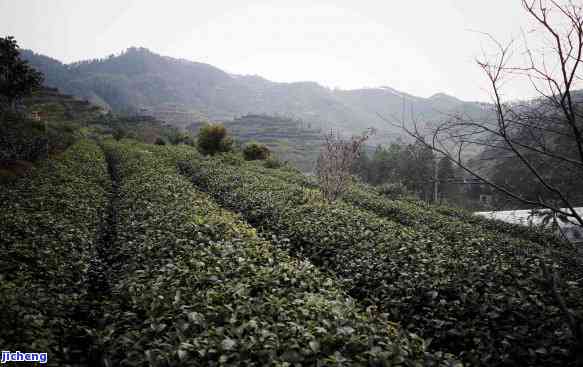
(182, 92)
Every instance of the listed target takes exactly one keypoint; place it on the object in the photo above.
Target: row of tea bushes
(479, 298)
(533, 234)
(201, 289)
(458, 226)
(409, 211)
(49, 223)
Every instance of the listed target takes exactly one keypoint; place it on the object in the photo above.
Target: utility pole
(46, 138)
(435, 180)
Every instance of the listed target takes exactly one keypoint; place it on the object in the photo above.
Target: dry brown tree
(337, 156)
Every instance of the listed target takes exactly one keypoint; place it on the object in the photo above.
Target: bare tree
(544, 136)
(337, 156)
(547, 131)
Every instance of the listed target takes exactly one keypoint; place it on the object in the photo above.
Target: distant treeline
(410, 169)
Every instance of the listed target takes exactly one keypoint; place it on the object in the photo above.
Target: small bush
(119, 134)
(7, 177)
(213, 139)
(273, 163)
(181, 138)
(10, 171)
(160, 141)
(256, 152)
(231, 159)
(393, 190)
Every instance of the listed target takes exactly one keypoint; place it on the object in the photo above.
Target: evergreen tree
(448, 189)
(17, 78)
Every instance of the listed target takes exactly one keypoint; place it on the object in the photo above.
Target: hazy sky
(421, 47)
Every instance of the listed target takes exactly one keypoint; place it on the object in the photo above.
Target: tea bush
(273, 163)
(256, 151)
(413, 212)
(49, 222)
(472, 292)
(197, 287)
(213, 139)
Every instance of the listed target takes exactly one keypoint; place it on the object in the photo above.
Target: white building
(569, 230)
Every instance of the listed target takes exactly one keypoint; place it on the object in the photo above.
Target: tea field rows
(470, 290)
(114, 258)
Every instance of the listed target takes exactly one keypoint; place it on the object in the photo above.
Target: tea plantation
(468, 288)
(119, 253)
(113, 258)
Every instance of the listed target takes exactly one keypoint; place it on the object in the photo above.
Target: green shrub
(7, 177)
(393, 190)
(200, 288)
(50, 221)
(12, 170)
(119, 134)
(273, 163)
(231, 158)
(256, 152)
(21, 138)
(475, 293)
(213, 139)
(160, 141)
(181, 138)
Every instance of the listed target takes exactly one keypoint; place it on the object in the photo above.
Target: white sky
(418, 46)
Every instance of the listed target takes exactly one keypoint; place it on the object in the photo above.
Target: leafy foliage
(393, 190)
(255, 151)
(198, 287)
(273, 163)
(49, 224)
(181, 138)
(399, 163)
(213, 139)
(17, 78)
(472, 291)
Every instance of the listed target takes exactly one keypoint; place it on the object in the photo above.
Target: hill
(182, 91)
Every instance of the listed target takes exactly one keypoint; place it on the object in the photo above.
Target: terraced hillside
(290, 140)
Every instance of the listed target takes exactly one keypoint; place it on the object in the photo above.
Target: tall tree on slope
(17, 78)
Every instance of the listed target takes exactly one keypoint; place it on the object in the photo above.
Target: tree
(410, 165)
(541, 141)
(448, 189)
(362, 166)
(213, 139)
(336, 159)
(544, 136)
(255, 151)
(17, 78)
(416, 169)
(382, 166)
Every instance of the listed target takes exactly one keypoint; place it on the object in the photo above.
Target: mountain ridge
(139, 80)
